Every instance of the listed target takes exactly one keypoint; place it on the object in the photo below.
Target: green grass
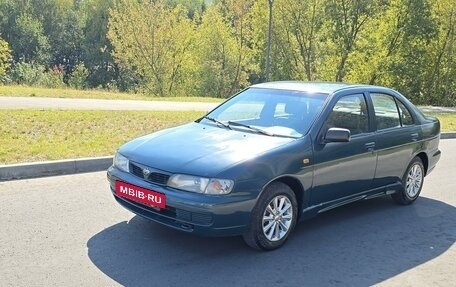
(26, 91)
(34, 135)
(447, 121)
(38, 135)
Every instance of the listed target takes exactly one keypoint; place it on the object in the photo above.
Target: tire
(412, 183)
(273, 218)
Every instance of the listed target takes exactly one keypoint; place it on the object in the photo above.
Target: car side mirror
(337, 135)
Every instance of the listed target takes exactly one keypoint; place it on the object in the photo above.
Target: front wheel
(273, 218)
(412, 182)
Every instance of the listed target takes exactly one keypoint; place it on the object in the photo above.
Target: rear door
(397, 137)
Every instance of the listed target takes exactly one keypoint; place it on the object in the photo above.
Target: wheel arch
(297, 188)
(424, 159)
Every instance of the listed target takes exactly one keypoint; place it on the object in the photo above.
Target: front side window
(386, 112)
(350, 112)
(277, 112)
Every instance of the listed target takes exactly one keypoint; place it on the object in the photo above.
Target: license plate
(141, 195)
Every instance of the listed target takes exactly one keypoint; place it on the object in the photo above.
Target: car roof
(313, 87)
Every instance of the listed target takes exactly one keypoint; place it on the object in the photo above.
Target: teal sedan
(274, 154)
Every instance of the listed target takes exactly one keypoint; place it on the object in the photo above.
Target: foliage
(36, 75)
(5, 57)
(440, 74)
(296, 39)
(194, 8)
(346, 21)
(78, 76)
(97, 49)
(153, 40)
(29, 43)
(26, 73)
(214, 48)
(52, 78)
(222, 64)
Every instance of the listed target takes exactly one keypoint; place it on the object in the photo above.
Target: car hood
(198, 149)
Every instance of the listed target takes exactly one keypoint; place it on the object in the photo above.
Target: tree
(5, 57)
(217, 55)
(62, 25)
(46, 32)
(346, 20)
(298, 26)
(153, 40)
(67, 41)
(268, 44)
(30, 44)
(96, 47)
(440, 83)
(194, 8)
(239, 14)
(397, 51)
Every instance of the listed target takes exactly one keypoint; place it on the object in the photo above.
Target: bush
(5, 57)
(26, 73)
(35, 75)
(78, 77)
(52, 78)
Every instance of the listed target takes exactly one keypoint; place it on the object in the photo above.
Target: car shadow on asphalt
(356, 245)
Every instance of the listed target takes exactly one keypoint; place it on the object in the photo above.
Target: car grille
(154, 176)
(169, 212)
(194, 217)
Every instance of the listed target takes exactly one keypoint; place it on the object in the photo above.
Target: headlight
(219, 186)
(201, 184)
(121, 162)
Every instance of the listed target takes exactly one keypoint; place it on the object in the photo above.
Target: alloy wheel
(414, 180)
(277, 218)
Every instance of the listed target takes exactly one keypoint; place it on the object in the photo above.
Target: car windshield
(270, 112)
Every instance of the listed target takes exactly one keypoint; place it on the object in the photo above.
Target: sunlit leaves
(5, 57)
(154, 40)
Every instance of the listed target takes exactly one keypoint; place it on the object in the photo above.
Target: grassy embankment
(447, 121)
(25, 91)
(33, 135)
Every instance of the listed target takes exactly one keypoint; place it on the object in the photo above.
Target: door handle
(414, 137)
(370, 146)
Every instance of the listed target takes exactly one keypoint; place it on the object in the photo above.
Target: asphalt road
(98, 104)
(68, 231)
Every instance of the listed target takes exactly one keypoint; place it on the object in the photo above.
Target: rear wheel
(273, 218)
(412, 182)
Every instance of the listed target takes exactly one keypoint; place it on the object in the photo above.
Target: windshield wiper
(251, 128)
(218, 122)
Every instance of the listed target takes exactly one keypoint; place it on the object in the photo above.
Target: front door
(345, 169)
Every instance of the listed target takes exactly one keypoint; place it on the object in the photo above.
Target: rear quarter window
(405, 115)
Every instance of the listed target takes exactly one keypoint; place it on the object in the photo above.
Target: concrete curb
(70, 166)
(49, 168)
(451, 135)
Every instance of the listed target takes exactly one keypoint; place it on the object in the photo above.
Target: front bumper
(207, 215)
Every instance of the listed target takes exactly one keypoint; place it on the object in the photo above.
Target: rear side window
(350, 113)
(386, 112)
(406, 117)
